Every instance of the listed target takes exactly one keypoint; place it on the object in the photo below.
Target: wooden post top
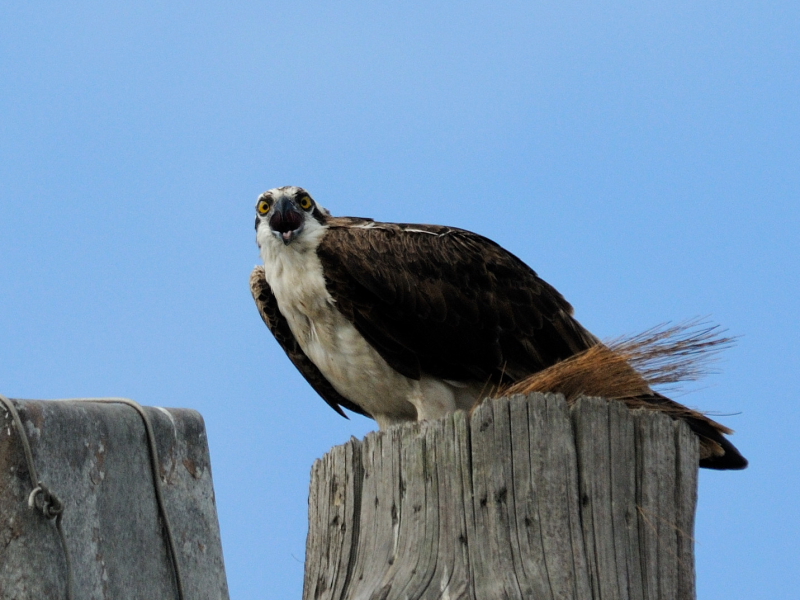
(525, 498)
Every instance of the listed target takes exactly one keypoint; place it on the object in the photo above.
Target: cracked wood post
(527, 498)
(95, 458)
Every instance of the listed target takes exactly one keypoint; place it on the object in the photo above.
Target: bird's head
(284, 213)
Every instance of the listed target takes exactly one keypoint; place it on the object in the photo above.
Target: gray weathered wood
(95, 458)
(525, 498)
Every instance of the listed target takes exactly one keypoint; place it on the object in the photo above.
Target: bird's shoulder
(403, 241)
(394, 251)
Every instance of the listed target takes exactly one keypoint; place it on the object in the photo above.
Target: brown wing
(268, 309)
(446, 302)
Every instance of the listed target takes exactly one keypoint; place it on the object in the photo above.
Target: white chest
(332, 343)
(298, 284)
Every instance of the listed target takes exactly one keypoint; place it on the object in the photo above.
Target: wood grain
(525, 498)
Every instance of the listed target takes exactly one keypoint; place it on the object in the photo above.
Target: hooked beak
(286, 221)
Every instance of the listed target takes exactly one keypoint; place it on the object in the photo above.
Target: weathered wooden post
(527, 498)
(97, 458)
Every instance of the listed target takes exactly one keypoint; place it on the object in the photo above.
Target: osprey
(404, 322)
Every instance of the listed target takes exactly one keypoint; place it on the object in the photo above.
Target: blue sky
(644, 158)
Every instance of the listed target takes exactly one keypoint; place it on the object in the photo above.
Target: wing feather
(446, 301)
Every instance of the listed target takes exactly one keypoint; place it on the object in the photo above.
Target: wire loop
(45, 501)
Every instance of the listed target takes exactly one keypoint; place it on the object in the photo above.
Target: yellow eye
(305, 203)
(263, 207)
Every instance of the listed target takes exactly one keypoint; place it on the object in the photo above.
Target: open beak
(286, 221)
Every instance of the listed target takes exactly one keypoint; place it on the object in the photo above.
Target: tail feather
(627, 369)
